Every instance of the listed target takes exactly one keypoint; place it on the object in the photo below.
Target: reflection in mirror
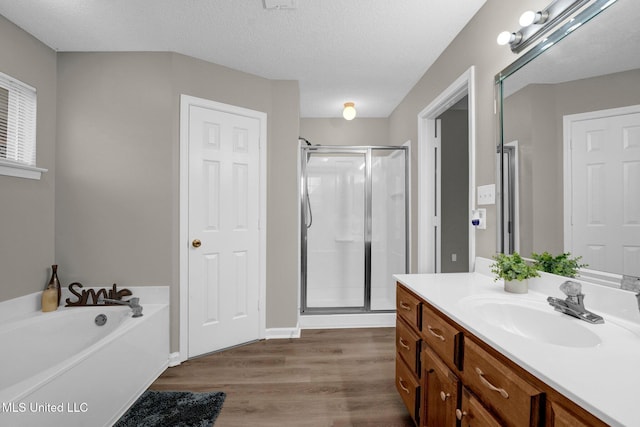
(571, 145)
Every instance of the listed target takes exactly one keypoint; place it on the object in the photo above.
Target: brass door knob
(196, 243)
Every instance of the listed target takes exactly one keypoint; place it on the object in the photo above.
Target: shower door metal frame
(305, 152)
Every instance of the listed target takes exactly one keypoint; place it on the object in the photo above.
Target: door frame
(427, 236)
(186, 101)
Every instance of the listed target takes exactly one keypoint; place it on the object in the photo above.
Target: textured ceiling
(371, 52)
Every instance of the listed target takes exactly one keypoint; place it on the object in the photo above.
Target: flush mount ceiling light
(536, 24)
(280, 4)
(349, 112)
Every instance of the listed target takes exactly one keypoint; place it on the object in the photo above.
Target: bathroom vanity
(468, 351)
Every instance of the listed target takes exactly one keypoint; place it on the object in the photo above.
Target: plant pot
(516, 286)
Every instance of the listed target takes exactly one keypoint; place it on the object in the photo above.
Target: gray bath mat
(173, 409)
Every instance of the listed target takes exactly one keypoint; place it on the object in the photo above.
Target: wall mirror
(569, 143)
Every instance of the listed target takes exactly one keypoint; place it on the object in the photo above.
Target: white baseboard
(340, 321)
(175, 359)
(282, 333)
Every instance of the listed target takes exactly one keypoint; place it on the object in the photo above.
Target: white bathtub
(61, 368)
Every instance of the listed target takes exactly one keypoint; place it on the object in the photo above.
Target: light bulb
(504, 38)
(349, 112)
(527, 18)
(530, 17)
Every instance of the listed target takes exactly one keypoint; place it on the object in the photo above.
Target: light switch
(487, 194)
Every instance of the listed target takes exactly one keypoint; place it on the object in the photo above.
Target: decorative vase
(52, 293)
(516, 286)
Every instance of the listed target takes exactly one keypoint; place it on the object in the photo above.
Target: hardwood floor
(339, 377)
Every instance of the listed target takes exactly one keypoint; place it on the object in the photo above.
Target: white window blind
(17, 121)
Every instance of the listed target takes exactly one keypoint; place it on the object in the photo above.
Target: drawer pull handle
(460, 414)
(434, 333)
(444, 396)
(405, 306)
(490, 386)
(402, 344)
(402, 386)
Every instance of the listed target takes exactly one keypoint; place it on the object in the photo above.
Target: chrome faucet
(134, 303)
(573, 305)
(631, 283)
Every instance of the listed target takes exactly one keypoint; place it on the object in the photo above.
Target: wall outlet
(479, 219)
(487, 194)
(454, 257)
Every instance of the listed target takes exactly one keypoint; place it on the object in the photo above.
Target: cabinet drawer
(408, 307)
(442, 337)
(409, 388)
(571, 415)
(500, 388)
(473, 414)
(408, 346)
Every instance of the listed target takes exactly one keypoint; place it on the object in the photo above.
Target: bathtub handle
(196, 243)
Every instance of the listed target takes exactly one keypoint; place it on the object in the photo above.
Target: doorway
(354, 233)
(430, 184)
(453, 129)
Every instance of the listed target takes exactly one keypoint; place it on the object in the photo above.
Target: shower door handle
(196, 243)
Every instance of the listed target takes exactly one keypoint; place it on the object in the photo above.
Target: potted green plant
(515, 271)
(562, 265)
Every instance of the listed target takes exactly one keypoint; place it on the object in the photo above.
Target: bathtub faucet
(134, 303)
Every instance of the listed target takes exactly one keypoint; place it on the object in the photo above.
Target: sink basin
(532, 320)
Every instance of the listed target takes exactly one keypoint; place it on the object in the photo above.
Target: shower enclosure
(354, 233)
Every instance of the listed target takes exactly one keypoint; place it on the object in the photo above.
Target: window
(18, 129)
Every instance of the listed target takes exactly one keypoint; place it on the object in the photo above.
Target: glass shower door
(334, 230)
(388, 224)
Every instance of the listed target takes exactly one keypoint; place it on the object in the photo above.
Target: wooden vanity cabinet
(408, 349)
(448, 377)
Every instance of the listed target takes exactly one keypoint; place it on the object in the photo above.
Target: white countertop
(602, 378)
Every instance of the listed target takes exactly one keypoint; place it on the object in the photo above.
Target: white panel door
(224, 258)
(605, 176)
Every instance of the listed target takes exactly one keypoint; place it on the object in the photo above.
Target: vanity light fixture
(349, 112)
(536, 24)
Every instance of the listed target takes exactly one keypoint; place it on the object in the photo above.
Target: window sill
(20, 171)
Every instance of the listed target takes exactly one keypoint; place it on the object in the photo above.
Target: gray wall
(540, 167)
(359, 131)
(455, 191)
(117, 212)
(475, 46)
(27, 206)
